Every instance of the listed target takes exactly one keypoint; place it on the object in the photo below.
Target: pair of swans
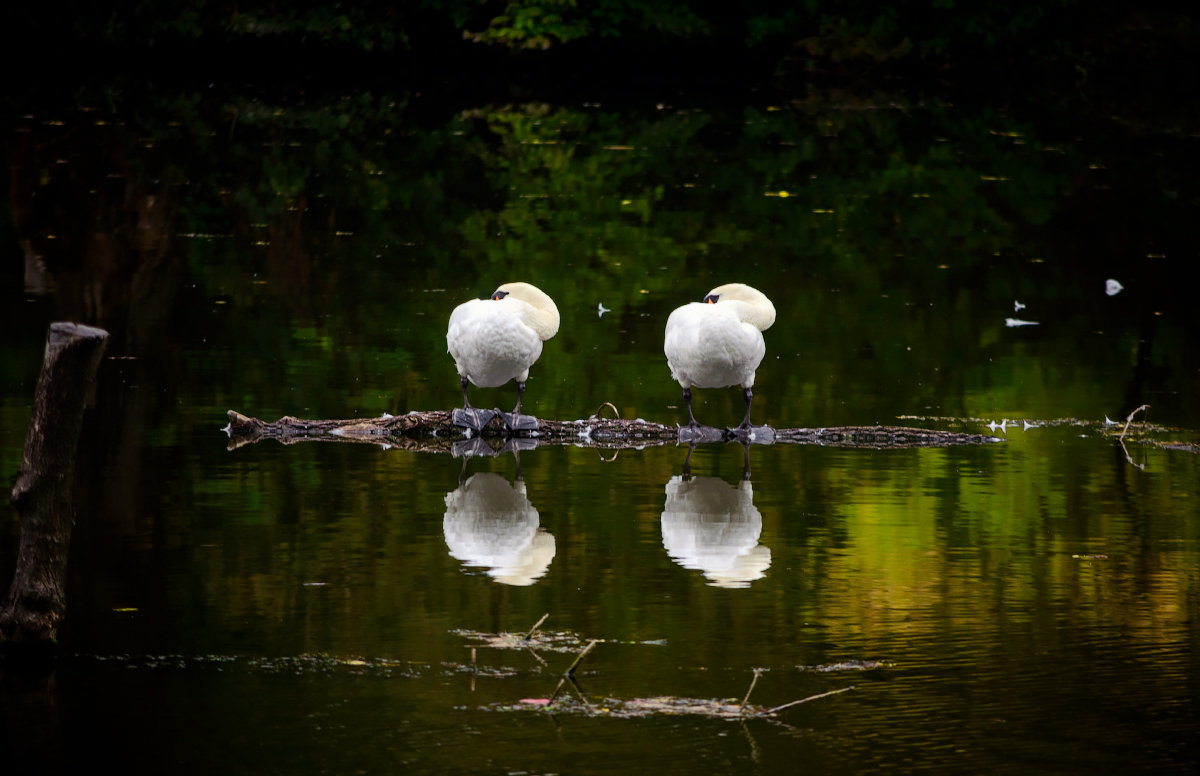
(715, 343)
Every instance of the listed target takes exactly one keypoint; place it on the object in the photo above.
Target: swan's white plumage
(497, 340)
(715, 345)
(718, 343)
(490, 344)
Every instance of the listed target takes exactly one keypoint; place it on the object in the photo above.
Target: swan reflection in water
(489, 523)
(713, 527)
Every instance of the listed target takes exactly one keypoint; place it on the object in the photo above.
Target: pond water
(1028, 605)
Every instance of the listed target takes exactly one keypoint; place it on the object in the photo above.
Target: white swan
(496, 340)
(719, 342)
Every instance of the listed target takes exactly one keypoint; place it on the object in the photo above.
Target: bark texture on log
(434, 431)
(43, 495)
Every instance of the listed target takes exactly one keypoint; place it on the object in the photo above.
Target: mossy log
(435, 431)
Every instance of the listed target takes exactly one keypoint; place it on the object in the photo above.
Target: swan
(496, 340)
(718, 342)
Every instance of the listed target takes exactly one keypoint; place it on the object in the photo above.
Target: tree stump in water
(44, 493)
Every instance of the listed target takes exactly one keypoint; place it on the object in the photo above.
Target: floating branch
(1129, 419)
(536, 625)
(670, 706)
(569, 675)
(579, 657)
(757, 673)
(434, 431)
(780, 708)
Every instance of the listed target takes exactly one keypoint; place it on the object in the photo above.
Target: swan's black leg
(515, 420)
(687, 398)
(468, 416)
(746, 420)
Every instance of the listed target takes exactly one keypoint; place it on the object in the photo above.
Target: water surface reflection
(490, 523)
(713, 527)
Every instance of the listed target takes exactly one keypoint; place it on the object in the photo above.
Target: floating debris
(542, 640)
(845, 665)
(1112, 287)
(533, 639)
(664, 705)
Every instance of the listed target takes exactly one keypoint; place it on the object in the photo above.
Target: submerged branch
(778, 709)
(434, 431)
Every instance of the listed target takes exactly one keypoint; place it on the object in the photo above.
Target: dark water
(1025, 606)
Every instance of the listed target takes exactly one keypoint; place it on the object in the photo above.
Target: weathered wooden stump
(44, 493)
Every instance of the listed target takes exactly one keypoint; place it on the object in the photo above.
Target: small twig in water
(579, 657)
(570, 672)
(757, 673)
(616, 411)
(806, 700)
(536, 625)
(1130, 418)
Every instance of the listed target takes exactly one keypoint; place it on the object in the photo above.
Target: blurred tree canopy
(764, 39)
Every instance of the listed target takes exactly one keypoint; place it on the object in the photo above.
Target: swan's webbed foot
(469, 417)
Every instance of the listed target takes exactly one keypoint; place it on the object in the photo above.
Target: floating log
(434, 431)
